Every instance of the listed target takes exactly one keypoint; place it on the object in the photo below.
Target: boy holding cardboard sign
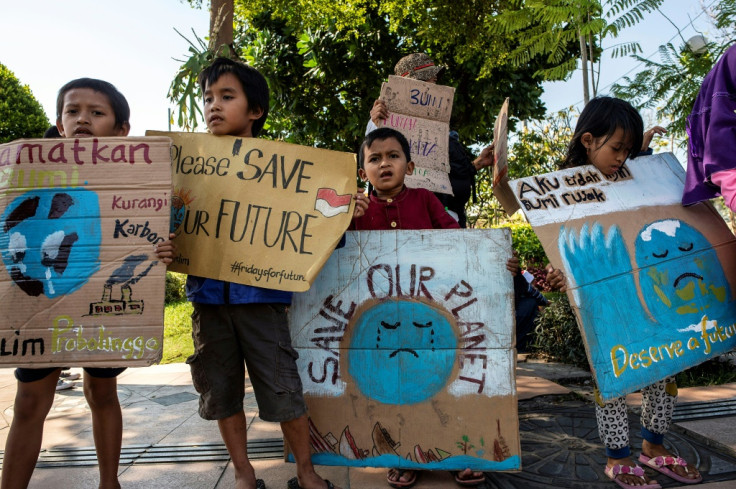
(235, 324)
(85, 108)
(384, 160)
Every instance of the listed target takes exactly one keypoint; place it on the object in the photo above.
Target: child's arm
(726, 182)
(166, 251)
(438, 214)
(361, 205)
(485, 158)
(648, 135)
(379, 111)
(556, 278)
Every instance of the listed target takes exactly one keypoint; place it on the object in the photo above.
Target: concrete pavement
(167, 445)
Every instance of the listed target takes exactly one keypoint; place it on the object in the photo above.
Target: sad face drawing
(402, 351)
(50, 240)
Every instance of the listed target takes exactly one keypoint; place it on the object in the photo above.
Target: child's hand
(649, 134)
(555, 278)
(379, 111)
(361, 205)
(166, 251)
(513, 265)
(485, 158)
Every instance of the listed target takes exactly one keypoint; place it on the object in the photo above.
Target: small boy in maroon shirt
(384, 160)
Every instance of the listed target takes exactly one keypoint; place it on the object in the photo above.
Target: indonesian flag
(329, 203)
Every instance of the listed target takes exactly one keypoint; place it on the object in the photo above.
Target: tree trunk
(593, 78)
(221, 26)
(584, 55)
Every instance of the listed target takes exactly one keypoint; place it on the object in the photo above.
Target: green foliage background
(325, 62)
(21, 116)
(671, 84)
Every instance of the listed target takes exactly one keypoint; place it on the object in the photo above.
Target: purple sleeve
(720, 141)
(711, 129)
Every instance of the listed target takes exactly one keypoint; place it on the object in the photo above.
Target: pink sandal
(613, 472)
(660, 464)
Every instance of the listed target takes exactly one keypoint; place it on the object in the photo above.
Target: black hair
(118, 103)
(253, 82)
(602, 117)
(51, 132)
(381, 134)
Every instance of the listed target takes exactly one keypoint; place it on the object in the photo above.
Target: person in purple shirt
(711, 166)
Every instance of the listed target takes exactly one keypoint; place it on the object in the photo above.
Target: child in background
(384, 160)
(609, 131)
(233, 324)
(85, 107)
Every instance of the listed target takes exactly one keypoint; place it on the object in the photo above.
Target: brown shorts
(226, 337)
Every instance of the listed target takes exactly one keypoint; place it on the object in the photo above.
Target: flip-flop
(398, 484)
(613, 472)
(294, 484)
(660, 464)
(260, 484)
(468, 482)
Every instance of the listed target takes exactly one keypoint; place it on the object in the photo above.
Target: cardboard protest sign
(79, 280)
(421, 111)
(418, 98)
(652, 282)
(406, 355)
(501, 189)
(257, 212)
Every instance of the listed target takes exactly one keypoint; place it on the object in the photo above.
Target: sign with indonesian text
(79, 282)
(421, 111)
(652, 282)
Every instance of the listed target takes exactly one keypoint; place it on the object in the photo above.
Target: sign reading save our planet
(406, 355)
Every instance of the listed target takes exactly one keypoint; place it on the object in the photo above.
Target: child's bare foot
(401, 478)
(624, 470)
(684, 473)
(310, 481)
(248, 481)
(469, 478)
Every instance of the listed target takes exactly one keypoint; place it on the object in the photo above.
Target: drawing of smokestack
(131, 306)
(106, 293)
(123, 275)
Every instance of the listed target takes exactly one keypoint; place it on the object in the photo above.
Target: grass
(177, 332)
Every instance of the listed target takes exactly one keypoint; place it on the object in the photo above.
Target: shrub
(715, 371)
(557, 335)
(175, 283)
(531, 254)
(526, 243)
(21, 116)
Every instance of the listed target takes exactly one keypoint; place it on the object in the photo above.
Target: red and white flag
(329, 203)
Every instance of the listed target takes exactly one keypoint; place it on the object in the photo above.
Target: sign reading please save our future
(257, 212)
